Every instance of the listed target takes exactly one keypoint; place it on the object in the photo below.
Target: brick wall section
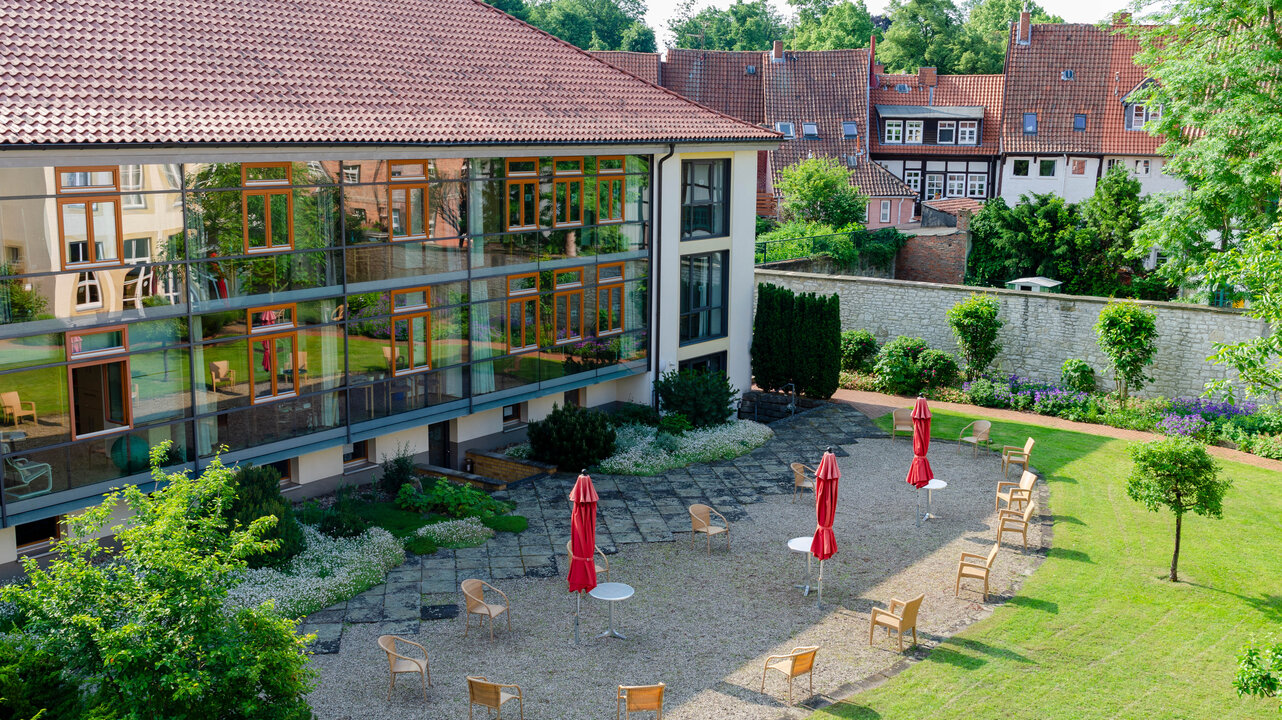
(503, 469)
(1041, 330)
(933, 258)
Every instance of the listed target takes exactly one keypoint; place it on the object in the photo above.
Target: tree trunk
(1175, 559)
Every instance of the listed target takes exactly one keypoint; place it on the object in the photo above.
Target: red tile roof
(321, 71)
(1103, 72)
(954, 205)
(642, 64)
(721, 80)
(951, 90)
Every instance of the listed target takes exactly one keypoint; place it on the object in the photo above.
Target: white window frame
(1138, 116)
(885, 211)
(127, 257)
(955, 185)
(1143, 168)
(938, 183)
(976, 185)
(1054, 168)
(351, 173)
(1155, 114)
(949, 125)
(1110, 163)
(912, 178)
(968, 132)
(914, 131)
(898, 135)
(89, 281)
(1014, 167)
(810, 130)
(131, 182)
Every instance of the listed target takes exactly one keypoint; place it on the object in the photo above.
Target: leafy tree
(843, 25)
(639, 37)
(753, 25)
(1259, 671)
(1254, 267)
(1038, 236)
(579, 21)
(1176, 473)
(922, 33)
(818, 190)
(515, 8)
(975, 323)
(1128, 336)
(987, 31)
(145, 630)
(1109, 218)
(258, 495)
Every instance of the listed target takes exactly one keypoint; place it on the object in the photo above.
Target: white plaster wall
(541, 407)
(326, 463)
(1156, 181)
(1073, 188)
(8, 545)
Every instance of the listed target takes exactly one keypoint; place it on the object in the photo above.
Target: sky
(1079, 11)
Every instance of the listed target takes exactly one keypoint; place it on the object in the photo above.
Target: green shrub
(796, 339)
(704, 398)
(572, 437)
(666, 442)
(975, 324)
(342, 524)
(409, 498)
(309, 513)
(32, 681)
(897, 370)
(258, 495)
(936, 369)
(983, 392)
(635, 414)
(506, 523)
(772, 337)
(675, 424)
(858, 351)
(457, 500)
(398, 469)
(1077, 375)
(420, 545)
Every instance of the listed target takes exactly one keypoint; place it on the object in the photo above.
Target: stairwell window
(705, 199)
(703, 297)
(885, 211)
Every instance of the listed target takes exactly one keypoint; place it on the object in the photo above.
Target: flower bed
(643, 450)
(330, 570)
(466, 532)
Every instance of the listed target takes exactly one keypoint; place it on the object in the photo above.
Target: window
(705, 204)
(1077, 166)
(408, 200)
(1079, 123)
(787, 128)
(810, 130)
(1142, 168)
(1019, 168)
(956, 185)
(411, 331)
(572, 398)
(567, 305)
(351, 173)
(913, 131)
(947, 132)
(912, 178)
(902, 88)
(356, 454)
(137, 250)
(567, 192)
(106, 341)
(131, 179)
(274, 360)
(38, 536)
(885, 211)
(1066, 74)
(716, 362)
(934, 186)
(976, 186)
(609, 190)
(522, 312)
(88, 292)
(849, 130)
(703, 297)
(1111, 162)
(1137, 117)
(968, 132)
(894, 131)
(1030, 123)
(100, 395)
(267, 211)
(1046, 168)
(90, 227)
(513, 415)
(1155, 114)
(522, 194)
(283, 468)
(609, 304)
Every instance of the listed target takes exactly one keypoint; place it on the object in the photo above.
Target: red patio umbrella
(824, 545)
(582, 576)
(919, 473)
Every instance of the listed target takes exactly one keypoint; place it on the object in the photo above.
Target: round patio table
(802, 545)
(612, 592)
(935, 484)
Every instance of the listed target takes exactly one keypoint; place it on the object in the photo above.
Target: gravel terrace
(704, 625)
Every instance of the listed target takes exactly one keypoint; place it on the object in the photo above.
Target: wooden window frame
(570, 173)
(275, 395)
(407, 222)
(522, 224)
(507, 167)
(425, 165)
(267, 191)
(558, 298)
(87, 196)
(427, 299)
(88, 189)
(358, 461)
(246, 182)
(557, 284)
(522, 293)
(563, 182)
(94, 354)
(521, 297)
(621, 169)
(605, 291)
(274, 328)
(408, 318)
(605, 189)
(126, 395)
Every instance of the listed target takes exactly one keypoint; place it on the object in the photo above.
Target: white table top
(935, 484)
(800, 544)
(611, 591)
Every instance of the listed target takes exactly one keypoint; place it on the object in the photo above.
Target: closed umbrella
(824, 545)
(919, 473)
(582, 577)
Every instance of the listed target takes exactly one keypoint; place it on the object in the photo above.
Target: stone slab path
(632, 509)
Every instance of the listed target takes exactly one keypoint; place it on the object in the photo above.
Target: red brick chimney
(1121, 19)
(777, 54)
(963, 220)
(1025, 28)
(926, 77)
(872, 61)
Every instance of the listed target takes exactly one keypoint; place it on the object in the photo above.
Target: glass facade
(234, 305)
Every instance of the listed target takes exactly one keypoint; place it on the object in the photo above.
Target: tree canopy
(922, 33)
(986, 32)
(753, 25)
(589, 24)
(837, 27)
(818, 190)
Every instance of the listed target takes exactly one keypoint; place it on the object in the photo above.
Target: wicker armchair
(480, 691)
(980, 430)
(903, 421)
(977, 567)
(801, 661)
(601, 562)
(399, 663)
(1015, 455)
(803, 476)
(1011, 521)
(701, 522)
(900, 621)
(639, 697)
(1019, 493)
(474, 597)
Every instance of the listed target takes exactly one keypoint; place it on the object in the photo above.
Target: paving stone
(403, 628)
(329, 637)
(438, 585)
(439, 612)
(364, 610)
(506, 573)
(546, 571)
(505, 562)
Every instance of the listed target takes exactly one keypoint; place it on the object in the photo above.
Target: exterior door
(438, 444)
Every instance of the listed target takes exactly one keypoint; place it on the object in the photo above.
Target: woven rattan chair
(1015, 455)
(15, 408)
(633, 698)
(399, 663)
(803, 476)
(801, 661)
(474, 596)
(601, 562)
(977, 567)
(901, 620)
(701, 522)
(1020, 493)
(1016, 522)
(979, 434)
(491, 696)
(903, 421)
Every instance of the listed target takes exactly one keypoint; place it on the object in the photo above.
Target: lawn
(1097, 631)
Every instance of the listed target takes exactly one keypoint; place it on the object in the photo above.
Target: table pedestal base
(610, 631)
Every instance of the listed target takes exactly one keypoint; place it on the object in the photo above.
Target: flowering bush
(457, 533)
(1061, 403)
(1184, 425)
(1211, 410)
(644, 451)
(330, 570)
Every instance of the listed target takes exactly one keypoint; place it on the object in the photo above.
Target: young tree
(1104, 249)
(145, 629)
(922, 33)
(818, 190)
(844, 25)
(1128, 336)
(1254, 267)
(975, 323)
(753, 25)
(1178, 474)
(1259, 671)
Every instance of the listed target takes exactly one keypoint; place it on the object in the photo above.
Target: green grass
(400, 523)
(1097, 631)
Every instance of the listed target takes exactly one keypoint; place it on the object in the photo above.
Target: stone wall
(1041, 330)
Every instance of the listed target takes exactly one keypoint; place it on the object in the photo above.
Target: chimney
(1121, 19)
(1025, 28)
(872, 60)
(963, 220)
(926, 77)
(777, 54)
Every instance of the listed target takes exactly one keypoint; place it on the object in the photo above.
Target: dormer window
(810, 130)
(913, 131)
(894, 131)
(849, 130)
(1137, 116)
(1065, 74)
(947, 132)
(902, 88)
(787, 128)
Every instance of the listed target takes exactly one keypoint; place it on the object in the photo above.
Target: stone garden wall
(1041, 330)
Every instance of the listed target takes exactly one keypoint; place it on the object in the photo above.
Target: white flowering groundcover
(642, 450)
(329, 570)
(466, 532)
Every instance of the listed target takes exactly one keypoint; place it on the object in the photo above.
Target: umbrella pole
(578, 604)
(820, 602)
